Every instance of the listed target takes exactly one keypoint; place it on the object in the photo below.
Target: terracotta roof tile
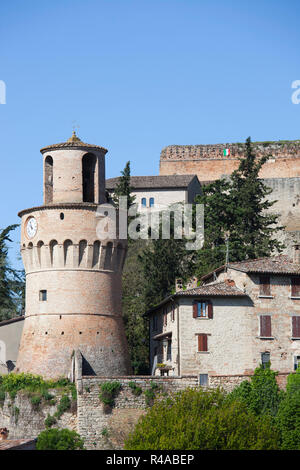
(281, 264)
(158, 181)
(213, 289)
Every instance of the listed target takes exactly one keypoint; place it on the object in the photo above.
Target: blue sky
(137, 75)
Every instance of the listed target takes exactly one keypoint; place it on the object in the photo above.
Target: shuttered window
(202, 309)
(265, 326)
(202, 342)
(173, 313)
(296, 327)
(295, 284)
(264, 285)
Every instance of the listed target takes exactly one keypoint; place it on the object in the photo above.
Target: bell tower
(73, 279)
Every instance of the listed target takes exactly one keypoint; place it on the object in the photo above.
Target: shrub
(108, 393)
(261, 395)
(288, 421)
(59, 439)
(36, 400)
(64, 405)
(136, 390)
(50, 421)
(202, 419)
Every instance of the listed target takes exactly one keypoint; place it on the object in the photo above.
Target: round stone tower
(73, 279)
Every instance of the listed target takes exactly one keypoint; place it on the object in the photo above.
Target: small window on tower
(43, 295)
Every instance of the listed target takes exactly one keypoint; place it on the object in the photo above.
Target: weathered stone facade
(24, 420)
(104, 428)
(73, 278)
(235, 344)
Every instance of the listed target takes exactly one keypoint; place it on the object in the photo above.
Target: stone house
(10, 337)
(160, 191)
(244, 314)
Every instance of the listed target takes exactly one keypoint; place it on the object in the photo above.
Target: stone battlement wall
(209, 164)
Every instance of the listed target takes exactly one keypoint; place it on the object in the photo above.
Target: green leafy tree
(134, 307)
(288, 416)
(237, 210)
(59, 439)
(163, 261)
(261, 395)
(202, 420)
(123, 188)
(12, 283)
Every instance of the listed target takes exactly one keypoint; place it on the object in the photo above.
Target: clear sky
(138, 75)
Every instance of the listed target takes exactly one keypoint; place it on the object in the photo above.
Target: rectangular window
(165, 317)
(265, 359)
(201, 309)
(154, 323)
(43, 295)
(173, 313)
(296, 362)
(295, 286)
(265, 326)
(203, 380)
(202, 343)
(264, 286)
(169, 350)
(296, 327)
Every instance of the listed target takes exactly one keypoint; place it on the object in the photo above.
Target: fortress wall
(208, 162)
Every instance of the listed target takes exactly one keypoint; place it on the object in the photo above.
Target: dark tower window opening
(48, 179)
(43, 295)
(88, 177)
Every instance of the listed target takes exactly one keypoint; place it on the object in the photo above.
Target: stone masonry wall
(104, 428)
(24, 421)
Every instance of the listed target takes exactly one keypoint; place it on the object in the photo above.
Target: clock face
(31, 227)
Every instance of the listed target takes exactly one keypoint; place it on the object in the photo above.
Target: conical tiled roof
(72, 143)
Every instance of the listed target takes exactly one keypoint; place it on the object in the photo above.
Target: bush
(136, 390)
(202, 419)
(288, 421)
(50, 421)
(59, 439)
(36, 401)
(108, 393)
(261, 395)
(64, 405)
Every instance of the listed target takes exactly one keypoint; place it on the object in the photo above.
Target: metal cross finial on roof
(75, 127)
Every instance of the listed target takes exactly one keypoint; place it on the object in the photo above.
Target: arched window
(48, 179)
(144, 202)
(88, 177)
(151, 201)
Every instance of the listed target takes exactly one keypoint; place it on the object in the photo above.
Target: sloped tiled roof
(281, 264)
(158, 181)
(214, 289)
(73, 142)
(11, 444)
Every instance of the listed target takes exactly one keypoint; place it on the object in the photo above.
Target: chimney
(3, 434)
(230, 282)
(296, 257)
(178, 285)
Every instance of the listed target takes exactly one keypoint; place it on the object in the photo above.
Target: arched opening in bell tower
(48, 179)
(88, 177)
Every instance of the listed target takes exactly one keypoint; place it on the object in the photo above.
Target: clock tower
(73, 278)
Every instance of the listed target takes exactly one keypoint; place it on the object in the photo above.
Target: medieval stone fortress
(242, 315)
